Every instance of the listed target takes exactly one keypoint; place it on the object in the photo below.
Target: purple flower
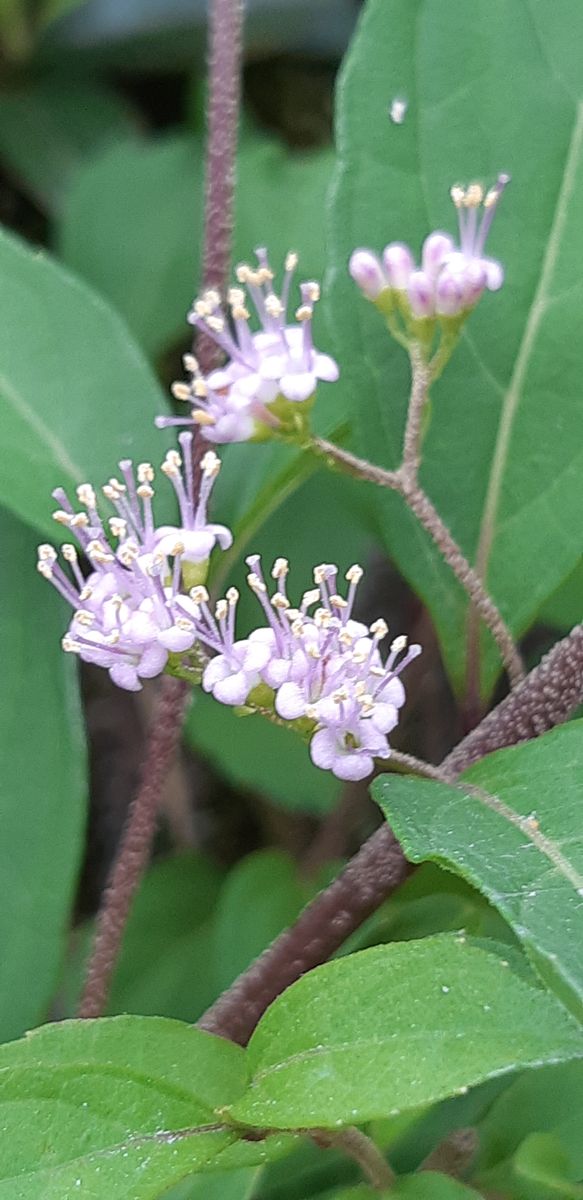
(194, 538)
(279, 362)
(451, 278)
(323, 666)
(130, 611)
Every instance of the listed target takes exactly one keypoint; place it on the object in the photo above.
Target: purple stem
(225, 56)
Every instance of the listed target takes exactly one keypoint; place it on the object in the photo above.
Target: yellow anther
(291, 261)
(280, 568)
(354, 573)
(200, 417)
(144, 491)
(62, 517)
(398, 644)
(86, 495)
(190, 363)
(199, 594)
(232, 596)
(458, 195)
(69, 552)
(474, 196)
(221, 610)
(379, 629)
(304, 313)
(180, 391)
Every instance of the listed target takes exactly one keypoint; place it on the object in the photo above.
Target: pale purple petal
(494, 274)
(297, 386)
(234, 689)
(324, 749)
(290, 702)
(177, 640)
(153, 661)
(217, 669)
(125, 676)
(326, 368)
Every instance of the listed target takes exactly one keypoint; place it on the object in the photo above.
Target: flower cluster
(319, 664)
(267, 373)
(130, 609)
(451, 279)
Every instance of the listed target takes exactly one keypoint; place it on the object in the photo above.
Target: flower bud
(398, 263)
(367, 272)
(449, 296)
(420, 294)
(436, 247)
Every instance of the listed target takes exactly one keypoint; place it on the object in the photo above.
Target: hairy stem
(134, 851)
(420, 380)
(224, 85)
(356, 1145)
(405, 483)
(224, 89)
(547, 697)
(320, 930)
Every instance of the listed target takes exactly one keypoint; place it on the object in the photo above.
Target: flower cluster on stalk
(137, 589)
(269, 375)
(450, 279)
(319, 665)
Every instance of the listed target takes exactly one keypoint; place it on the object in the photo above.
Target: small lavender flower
(323, 667)
(194, 537)
(278, 363)
(130, 611)
(451, 279)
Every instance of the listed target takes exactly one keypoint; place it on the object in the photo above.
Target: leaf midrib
(537, 311)
(31, 418)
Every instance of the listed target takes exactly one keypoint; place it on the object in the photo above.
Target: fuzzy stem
(420, 380)
(548, 696)
(357, 1146)
(319, 931)
(136, 844)
(405, 483)
(224, 86)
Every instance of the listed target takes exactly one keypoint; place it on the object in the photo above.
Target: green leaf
(515, 833)
(541, 1161)
(427, 1186)
(122, 1105)
(43, 791)
(75, 393)
(50, 126)
(484, 94)
(549, 1101)
(260, 898)
(337, 1047)
(163, 969)
(237, 1185)
(149, 194)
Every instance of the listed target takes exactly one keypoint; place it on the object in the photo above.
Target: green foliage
(337, 1046)
(127, 1106)
(491, 467)
(42, 768)
(524, 849)
(133, 220)
(49, 126)
(75, 393)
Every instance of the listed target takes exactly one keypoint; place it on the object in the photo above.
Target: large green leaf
(236, 1185)
(149, 195)
(76, 395)
(49, 126)
(490, 86)
(43, 792)
(515, 833)
(427, 1186)
(395, 1027)
(125, 1106)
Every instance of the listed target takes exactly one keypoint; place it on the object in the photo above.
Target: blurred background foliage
(101, 167)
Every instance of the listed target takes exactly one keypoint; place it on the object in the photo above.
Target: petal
(324, 749)
(255, 657)
(125, 676)
(217, 669)
(153, 661)
(176, 640)
(298, 386)
(392, 692)
(384, 718)
(276, 672)
(235, 688)
(494, 274)
(353, 766)
(325, 367)
(222, 535)
(290, 702)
